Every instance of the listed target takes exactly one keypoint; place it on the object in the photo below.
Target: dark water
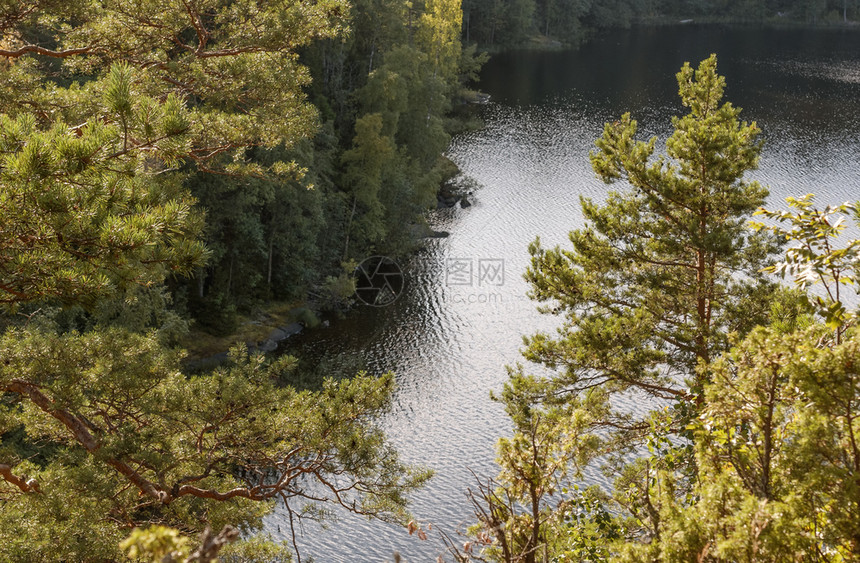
(449, 336)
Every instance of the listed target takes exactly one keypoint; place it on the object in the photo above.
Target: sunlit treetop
(233, 63)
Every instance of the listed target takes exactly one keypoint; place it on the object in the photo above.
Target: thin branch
(43, 51)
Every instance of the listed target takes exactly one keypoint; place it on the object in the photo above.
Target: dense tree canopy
(114, 117)
(106, 103)
(114, 436)
(226, 87)
(260, 147)
(80, 217)
(234, 63)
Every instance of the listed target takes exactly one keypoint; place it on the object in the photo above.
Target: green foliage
(217, 314)
(150, 88)
(778, 464)
(140, 309)
(588, 528)
(85, 215)
(653, 283)
(753, 454)
(138, 443)
(815, 259)
(156, 543)
(337, 291)
(358, 186)
(243, 85)
(165, 545)
(776, 439)
(528, 511)
(257, 549)
(438, 35)
(267, 235)
(307, 317)
(114, 117)
(665, 250)
(651, 289)
(393, 169)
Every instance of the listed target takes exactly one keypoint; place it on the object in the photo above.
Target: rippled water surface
(449, 341)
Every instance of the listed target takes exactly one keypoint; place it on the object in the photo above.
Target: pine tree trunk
(348, 229)
(201, 279)
(230, 275)
(271, 254)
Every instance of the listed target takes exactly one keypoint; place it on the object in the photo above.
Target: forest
(168, 166)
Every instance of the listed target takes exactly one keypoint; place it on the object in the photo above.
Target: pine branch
(26, 485)
(21, 51)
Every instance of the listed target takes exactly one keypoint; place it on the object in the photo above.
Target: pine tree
(233, 63)
(108, 434)
(650, 289)
(655, 280)
(85, 213)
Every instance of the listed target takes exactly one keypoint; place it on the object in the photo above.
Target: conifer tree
(233, 63)
(85, 213)
(650, 289)
(663, 271)
(105, 107)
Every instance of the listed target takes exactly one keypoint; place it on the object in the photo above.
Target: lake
(463, 312)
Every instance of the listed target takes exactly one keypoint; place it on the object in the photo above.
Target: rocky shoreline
(305, 318)
(456, 190)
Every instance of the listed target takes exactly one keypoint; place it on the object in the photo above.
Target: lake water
(461, 317)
